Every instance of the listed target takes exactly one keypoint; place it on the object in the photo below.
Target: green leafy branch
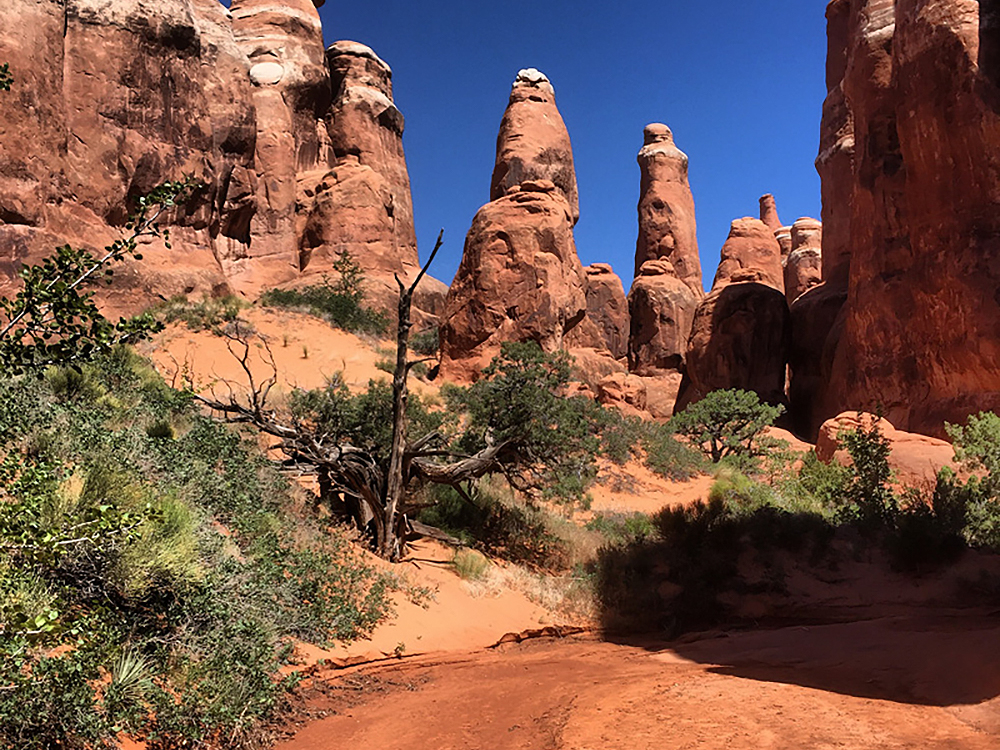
(6, 79)
(54, 319)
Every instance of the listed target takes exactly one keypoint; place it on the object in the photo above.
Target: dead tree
(373, 495)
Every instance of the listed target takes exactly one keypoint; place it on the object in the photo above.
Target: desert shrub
(623, 528)
(726, 423)
(426, 341)
(868, 492)
(471, 565)
(496, 522)
(825, 482)
(209, 314)
(178, 556)
(668, 456)
(338, 301)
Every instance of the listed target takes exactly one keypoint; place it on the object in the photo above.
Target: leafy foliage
(977, 446)
(726, 423)
(207, 315)
(6, 79)
(167, 559)
(340, 302)
(54, 320)
(868, 489)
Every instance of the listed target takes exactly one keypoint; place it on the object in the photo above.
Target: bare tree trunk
(392, 531)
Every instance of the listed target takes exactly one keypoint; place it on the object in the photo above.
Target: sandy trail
(908, 682)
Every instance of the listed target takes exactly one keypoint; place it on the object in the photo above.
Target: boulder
(533, 143)
(661, 312)
(667, 228)
(519, 280)
(803, 266)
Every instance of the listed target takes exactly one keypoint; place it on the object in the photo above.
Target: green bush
(340, 302)
(426, 342)
(471, 565)
(176, 556)
(210, 314)
(668, 456)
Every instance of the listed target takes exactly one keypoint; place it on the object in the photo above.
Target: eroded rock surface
(661, 312)
(751, 250)
(667, 227)
(803, 266)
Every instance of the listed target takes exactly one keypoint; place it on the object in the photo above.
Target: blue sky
(740, 84)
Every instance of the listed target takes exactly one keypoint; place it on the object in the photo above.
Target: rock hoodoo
(739, 337)
(519, 280)
(667, 227)
(803, 266)
(769, 213)
(751, 250)
(533, 143)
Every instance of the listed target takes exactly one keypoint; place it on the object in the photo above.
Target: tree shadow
(785, 597)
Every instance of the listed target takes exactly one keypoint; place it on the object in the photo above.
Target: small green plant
(869, 491)
(426, 342)
(6, 79)
(726, 423)
(210, 314)
(340, 302)
(471, 564)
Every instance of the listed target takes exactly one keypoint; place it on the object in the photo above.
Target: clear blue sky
(740, 83)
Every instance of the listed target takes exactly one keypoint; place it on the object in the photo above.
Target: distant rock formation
(533, 143)
(769, 213)
(299, 156)
(667, 227)
(803, 266)
(751, 250)
(661, 311)
(740, 334)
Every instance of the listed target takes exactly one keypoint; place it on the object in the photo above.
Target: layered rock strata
(804, 264)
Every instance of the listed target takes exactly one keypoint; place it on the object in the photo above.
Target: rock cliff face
(920, 85)
(667, 227)
(113, 97)
(741, 330)
(607, 307)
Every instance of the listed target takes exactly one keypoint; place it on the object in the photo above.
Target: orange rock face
(533, 143)
(741, 330)
(607, 307)
(751, 250)
(667, 227)
(112, 99)
(661, 312)
(769, 213)
(920, 334)
(519, 280)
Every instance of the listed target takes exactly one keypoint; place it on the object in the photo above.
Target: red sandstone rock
(667, 228)
(769, 213)
(533, 143)
(622, 389)
(607, 307)
(803, 266)
(661, 311)
(519, 280)
(784, 238)
(750, 253)
(739, 339)
(920, 335)
(914, 459)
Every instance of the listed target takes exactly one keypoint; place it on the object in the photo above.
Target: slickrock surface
(533, 143)
(667, 228)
